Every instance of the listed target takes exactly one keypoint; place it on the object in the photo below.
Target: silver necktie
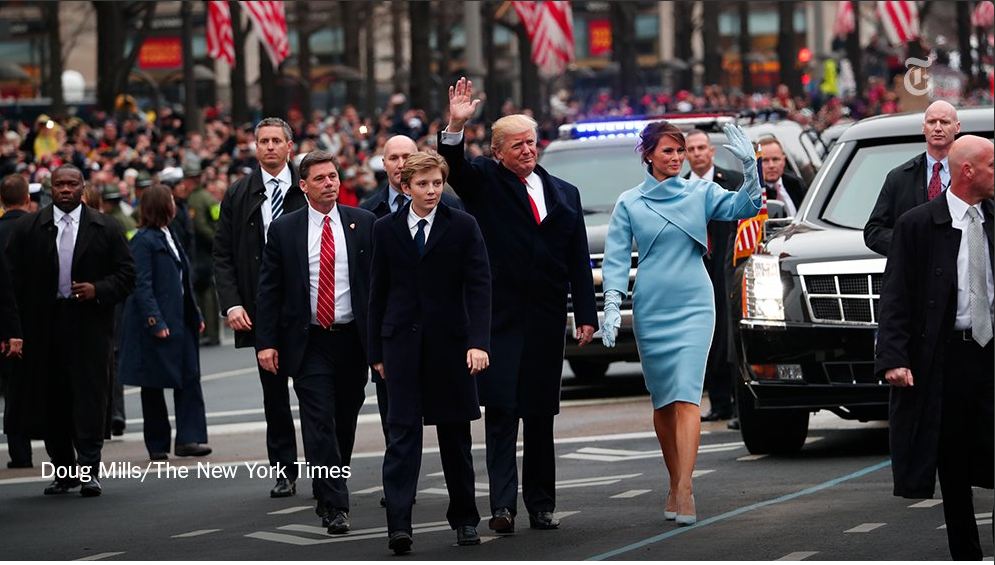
(981, 318)
(66, 244)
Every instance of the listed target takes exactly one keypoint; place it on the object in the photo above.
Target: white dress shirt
(960, 221)
(944, 172)
(783, 196)
(709, 174)
(73, 219)
(392, 194)
(413, 220)
(343, 294)
(533, 182)
(285, 179)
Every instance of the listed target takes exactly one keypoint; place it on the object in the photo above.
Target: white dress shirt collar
(283, 176)
(958, 209)
(57, 214)
(317, 218)
(709, 174)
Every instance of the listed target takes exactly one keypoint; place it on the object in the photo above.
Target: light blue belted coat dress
(673, 304)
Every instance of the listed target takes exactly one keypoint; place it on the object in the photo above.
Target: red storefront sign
(599, 37)
(161, 53)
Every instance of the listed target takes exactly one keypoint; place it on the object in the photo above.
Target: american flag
(983, 15)
(843, 25)
(549, 26)
(900, 19)
(750, 232)
(270, 23)
(220, 44)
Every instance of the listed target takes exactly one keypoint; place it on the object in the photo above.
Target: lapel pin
(352, 226)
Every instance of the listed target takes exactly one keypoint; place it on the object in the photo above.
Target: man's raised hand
(462, 105)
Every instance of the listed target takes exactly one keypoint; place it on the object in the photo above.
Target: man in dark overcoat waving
(533, 226)
(935, 344)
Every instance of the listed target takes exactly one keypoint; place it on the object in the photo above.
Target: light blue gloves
(740, 145)
(613, 318)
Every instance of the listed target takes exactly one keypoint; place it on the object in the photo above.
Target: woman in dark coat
(159, 333)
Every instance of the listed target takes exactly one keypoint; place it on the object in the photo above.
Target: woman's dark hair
(156, 208)
(651, 135)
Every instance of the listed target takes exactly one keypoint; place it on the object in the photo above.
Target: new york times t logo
(916, 81)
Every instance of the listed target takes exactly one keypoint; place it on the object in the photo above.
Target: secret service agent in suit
(319, 337)
(429, 328)
(247, 210)
(70, 266)
(388, 200)
(934, 344)
(15, 198)
(533, 226)
(781, 184)
(720, 370)
(918, 180)
(160, 327)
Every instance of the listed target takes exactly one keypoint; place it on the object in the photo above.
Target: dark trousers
(65, 445)
(402, 467)
(330, 388)
(967, 435)
(18, 445)
(207, 299)
(538, 461)
(281, 437)
(191, 422)
(383, 406)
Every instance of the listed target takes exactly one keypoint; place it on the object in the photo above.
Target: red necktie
(326, 277)
(535, 209)
(933, 190)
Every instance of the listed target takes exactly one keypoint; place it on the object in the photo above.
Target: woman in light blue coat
(673, 305)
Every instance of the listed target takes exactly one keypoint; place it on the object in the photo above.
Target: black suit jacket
(283, 309)
(380, 207)
(794, 186)
(904, 188)
(10, 321)
(917, 311)
(533, 268)
(425, 312)
(100, 257)
(238, 243)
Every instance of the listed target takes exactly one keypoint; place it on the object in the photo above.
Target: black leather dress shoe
(159, 456)
(283, 489)
(716, 415)
(192, 450)
(338, 522)
(502, 522)
(91, 488)
(467, 535)
(117, 428)
(543, 521)
(19, 465)
(399, 543)
(733, 424)
(61, 487)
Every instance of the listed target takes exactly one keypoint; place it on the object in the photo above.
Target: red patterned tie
(535, 209)
(326, 277)
(934, 182)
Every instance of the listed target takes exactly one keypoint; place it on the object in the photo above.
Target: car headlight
(763, 292)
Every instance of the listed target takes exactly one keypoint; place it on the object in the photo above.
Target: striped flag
(270, 22)
(983, 15)
(900, 20)
(220, 42)
(549, 26)
(843, 25)
(750, 232)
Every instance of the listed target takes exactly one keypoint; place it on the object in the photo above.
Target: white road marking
(864, 528)
(700, 472)
(631, 493)
(370, 490)
(928, 503)
(100, 556)
(797, 556)
(439, 474)
(290, 510)
(751, 457)
(980, 522)
(196, 533)
(812, 439)
(485, 539)
(620, 455)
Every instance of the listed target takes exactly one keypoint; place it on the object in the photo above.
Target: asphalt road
(832, 501)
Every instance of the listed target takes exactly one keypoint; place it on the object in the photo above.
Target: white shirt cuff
(450, 138)
(228, 313)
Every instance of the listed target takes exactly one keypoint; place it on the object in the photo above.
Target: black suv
(810, 293)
